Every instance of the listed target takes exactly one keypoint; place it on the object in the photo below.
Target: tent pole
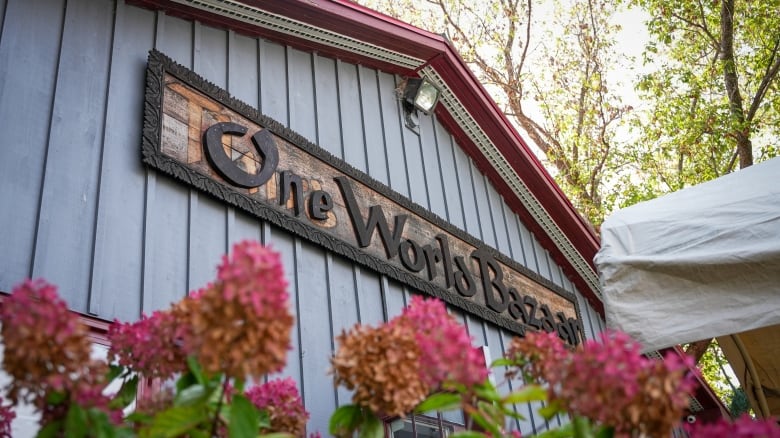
(762, 404)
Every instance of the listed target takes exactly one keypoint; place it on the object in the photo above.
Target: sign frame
(152, 154)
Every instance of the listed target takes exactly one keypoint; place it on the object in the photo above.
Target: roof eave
(432, 52)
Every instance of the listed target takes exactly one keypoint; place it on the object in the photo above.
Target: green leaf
(55, 397)
(76, 422)
(605, 432)
(187, 379)
(239, 385)
(502, 362)
(51, 430)
(244, 418)
(442, 401)
(526, 394)
(508, 410)
(485, 424)
(126, 394)
(139, 418)
(564, 431)
(191, 395)
(196, 370)
(549, 411)
(276, 435)
(345, 420)
(177, 421)
(487, 391)
(197, 433)
(372, 427)
(467, 434)
(114, 371)
(99, 424)
(264, 419)
(582, 428)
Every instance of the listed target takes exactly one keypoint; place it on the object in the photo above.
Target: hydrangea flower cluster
(538, 353)
(7, 416)
(241, 324)
(394, 367)
(443, 342)
(150, 346)
(47, 351)
(743, 427)
(610, 382)
(280, 398)
(381, 364)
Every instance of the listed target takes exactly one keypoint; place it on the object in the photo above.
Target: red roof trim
(353, 20)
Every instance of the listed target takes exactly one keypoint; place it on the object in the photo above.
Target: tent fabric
(695, 264)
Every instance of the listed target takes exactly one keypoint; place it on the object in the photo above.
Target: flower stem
(219, 407)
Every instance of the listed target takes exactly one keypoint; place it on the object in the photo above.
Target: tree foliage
(708, 105)
(712, 99)
(546, 65)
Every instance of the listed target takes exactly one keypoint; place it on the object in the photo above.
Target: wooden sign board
(197, 133)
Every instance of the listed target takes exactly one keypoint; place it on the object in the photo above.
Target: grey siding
(79, 209)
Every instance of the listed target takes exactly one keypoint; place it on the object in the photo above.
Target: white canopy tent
(701, 263)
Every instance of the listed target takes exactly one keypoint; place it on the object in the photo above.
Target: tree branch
(773, 66)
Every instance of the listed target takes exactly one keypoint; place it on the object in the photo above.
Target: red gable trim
(352, 20)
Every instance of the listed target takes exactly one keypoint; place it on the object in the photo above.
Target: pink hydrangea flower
(47, 351)
(610, 382)
(45, 345)
(241, 324)
(150, 346)
(7, 416)
(253, 275)
(280, 398)
(446, 351)
(743, 427)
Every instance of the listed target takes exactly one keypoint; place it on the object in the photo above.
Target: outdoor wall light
(417, 94)
(421, 94)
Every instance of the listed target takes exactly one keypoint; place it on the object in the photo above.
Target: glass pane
(426, 428)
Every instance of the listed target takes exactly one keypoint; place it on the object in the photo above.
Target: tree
(712, 92)
(547, 70)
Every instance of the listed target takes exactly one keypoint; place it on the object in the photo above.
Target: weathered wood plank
(372, 125)
(300, 89)
(432, 163)
(342, 294)
(351, 116)
(483, 207)
(166, 224)
(415, 169)
(392, 126)
(515, 240)
(273, 81)
(289, 248)
(470, 213)
(449, 175)
(207, 239)
(499, 221)
(328, 117)
(66, 224)
(119, 234)
(314, 324)
(25, 126)
(370, 297)
(243, 73)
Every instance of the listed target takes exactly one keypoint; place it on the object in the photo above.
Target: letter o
(264, 143)
(419, 260)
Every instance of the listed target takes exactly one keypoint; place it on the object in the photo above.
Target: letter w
(364, 231)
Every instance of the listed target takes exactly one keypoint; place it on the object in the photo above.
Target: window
(421, 426)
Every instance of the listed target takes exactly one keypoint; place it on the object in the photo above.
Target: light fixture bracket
(421, 94)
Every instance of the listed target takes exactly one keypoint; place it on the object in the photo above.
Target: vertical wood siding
(79, 209)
